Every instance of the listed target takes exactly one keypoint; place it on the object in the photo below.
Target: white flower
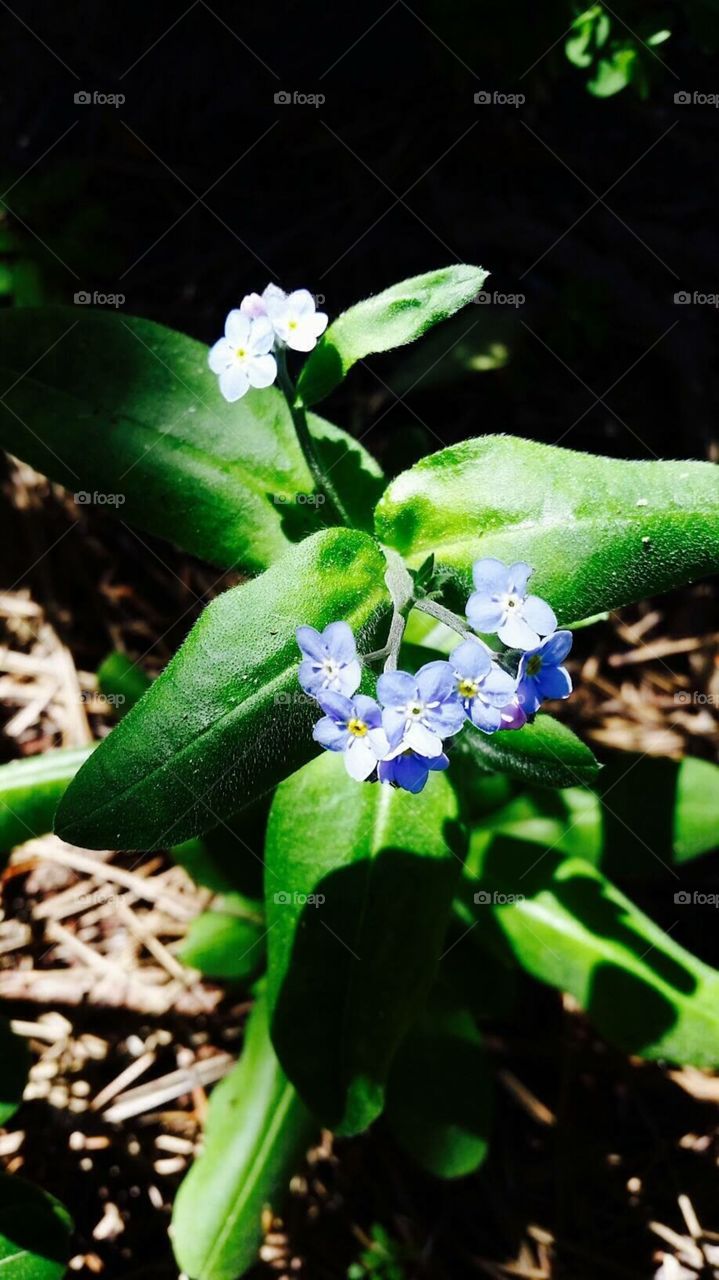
(241, 358)
(294, 318)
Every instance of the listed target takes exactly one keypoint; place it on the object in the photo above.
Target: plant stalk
(336, 509)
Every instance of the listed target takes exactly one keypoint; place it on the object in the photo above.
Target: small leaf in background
(567, 925)
(122, 682)
(599, 532)
(545, 753)
(439, 1096)
(34, 1232)
(226, 940)
(127, 409)
(359, 882)
(227, 719)
(30, 791)
(257, 1133)
(391, 319)
(14, 1068)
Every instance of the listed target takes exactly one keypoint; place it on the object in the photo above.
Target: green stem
(324, 485)
(449, 619)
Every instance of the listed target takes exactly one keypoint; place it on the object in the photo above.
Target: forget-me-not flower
(354, 727)
(420, 710)
(409, 771)
(294, 318)
(541, 674)
(330, 661)
(500, 604)
(242, 358)
(482, 686)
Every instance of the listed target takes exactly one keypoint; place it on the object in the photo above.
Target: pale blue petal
(471, 659)
(515, 632)
(540, 617)
(490, 576)
(396, 688)
(310, 642)
(330, 735)
(340, 641)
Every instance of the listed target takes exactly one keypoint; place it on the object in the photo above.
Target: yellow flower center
(292, 324)
(241, 352)
(357, 728)
(467, 688)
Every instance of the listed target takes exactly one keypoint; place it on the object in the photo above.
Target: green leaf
(120, 406)
(599, 532)
(390, 319)
(34, 1232)
(545, 753)
(257, 1133)
(439, 1096)
(359, 882)
(30, 791)
(122, 681)
(225, 942)
(227, 719)
(14, 1068)
(615, 71)
(567, 925)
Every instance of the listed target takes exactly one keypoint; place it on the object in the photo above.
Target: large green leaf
(34, 1232)
(545, 753)
(390, 319)
(439, 1096)
(567, 925)
(14, 1067)
(600, 533)
(115, 405)
(30, 791)
(359, 880)
(226, 720)
(257, 1132)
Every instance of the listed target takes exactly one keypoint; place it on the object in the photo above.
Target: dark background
(199, 187)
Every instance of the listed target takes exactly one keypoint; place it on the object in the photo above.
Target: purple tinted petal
(486, 718)
(396, 688)
(513, 717)
(518, 576)
(310, 642)
(554, 682)
(556, 647)
(330, 735)
(335, 705)
(340, 642)
(471, 660)
(435, 681)
(515, 633)
(368, 710)
(490, 576)
(538, 614)
(484, 614)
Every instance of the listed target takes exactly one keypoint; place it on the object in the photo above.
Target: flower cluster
(400, 737)
(261, 324)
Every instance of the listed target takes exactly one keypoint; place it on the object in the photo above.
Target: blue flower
(500, 605)
(420, 710)
(513, 716)
(482, 686)
(353, 726)
(330, 660)
(408, 770)
(541, 674)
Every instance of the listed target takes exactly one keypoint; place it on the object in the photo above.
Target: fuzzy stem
(324, 485)
(449, 619)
